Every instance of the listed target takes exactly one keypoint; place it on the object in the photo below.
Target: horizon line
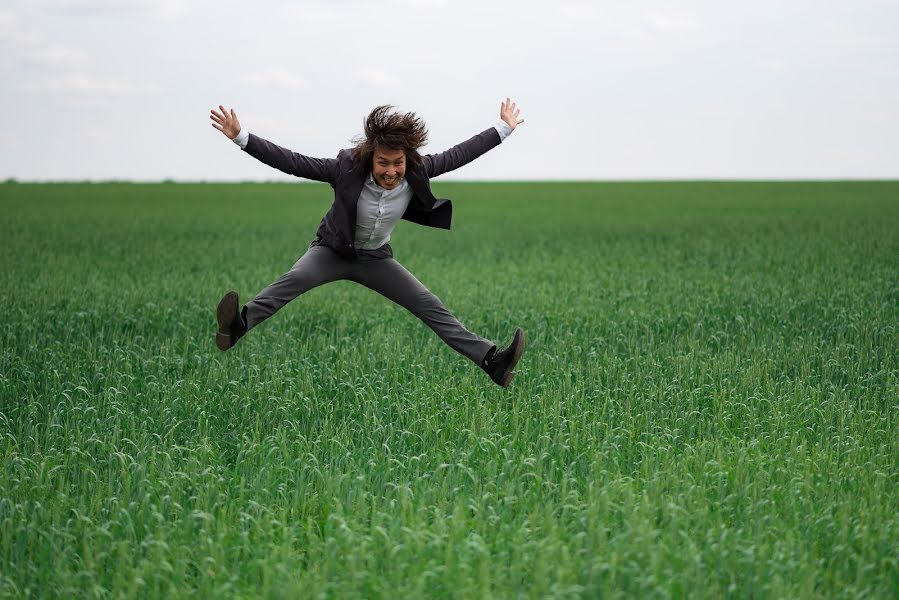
(167, 180)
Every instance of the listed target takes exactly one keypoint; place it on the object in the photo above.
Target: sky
(768, 89)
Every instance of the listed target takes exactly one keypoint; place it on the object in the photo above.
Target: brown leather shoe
(231, 325)
(500, 365)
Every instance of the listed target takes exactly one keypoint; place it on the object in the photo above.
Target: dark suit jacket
(338, 228)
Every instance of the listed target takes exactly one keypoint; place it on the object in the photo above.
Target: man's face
(388, 167)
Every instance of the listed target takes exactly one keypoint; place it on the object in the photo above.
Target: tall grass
(707, 407)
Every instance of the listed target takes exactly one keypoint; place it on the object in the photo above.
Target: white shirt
(378, 210)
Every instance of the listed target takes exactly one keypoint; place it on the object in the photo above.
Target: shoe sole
(225, 314)
(519, 350)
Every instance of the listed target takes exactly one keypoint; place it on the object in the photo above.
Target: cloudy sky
(121, 89)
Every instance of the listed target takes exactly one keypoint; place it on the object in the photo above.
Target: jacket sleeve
(292, 163)
(462, 154)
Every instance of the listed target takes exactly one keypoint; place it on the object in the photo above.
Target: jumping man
(378, 182)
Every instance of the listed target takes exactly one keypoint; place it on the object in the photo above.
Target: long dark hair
(390, 130)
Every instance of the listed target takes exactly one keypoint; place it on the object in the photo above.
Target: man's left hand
(509, 113)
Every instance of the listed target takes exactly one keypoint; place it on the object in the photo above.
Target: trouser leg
(317, 266)
(390, 279)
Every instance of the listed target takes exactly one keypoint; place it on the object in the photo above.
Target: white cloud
(85, 84)
(164, 9)
(12, 33)
(100, 134)
(7, 20)
(273, 77)
(426, 4)
(772, 65)
(20, 46)
(580, 10)
(315, 14)
(30, 46)
(379, 78)
(92, 8)
(673, 22)
(169, 9)
(59, 56)
(261, 123)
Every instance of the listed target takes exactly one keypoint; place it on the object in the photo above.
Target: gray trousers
(378, 271)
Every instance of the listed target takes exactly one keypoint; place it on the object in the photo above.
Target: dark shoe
(231, 323)
(500, 365)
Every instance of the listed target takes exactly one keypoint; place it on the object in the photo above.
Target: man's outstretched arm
(467, 151)
(287, 161)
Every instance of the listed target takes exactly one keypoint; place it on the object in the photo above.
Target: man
(376, 183)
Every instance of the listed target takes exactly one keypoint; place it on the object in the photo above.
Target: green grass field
(708, 406)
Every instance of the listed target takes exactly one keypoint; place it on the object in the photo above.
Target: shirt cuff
(244, 136)
(503, 129)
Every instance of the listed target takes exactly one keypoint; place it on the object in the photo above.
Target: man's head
(391, 142)
(388, 166)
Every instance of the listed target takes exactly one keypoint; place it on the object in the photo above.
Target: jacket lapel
(421, 189)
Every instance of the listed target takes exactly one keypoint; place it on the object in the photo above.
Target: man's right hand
(226, 122)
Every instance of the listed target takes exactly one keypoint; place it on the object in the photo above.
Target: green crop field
(708, 405)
